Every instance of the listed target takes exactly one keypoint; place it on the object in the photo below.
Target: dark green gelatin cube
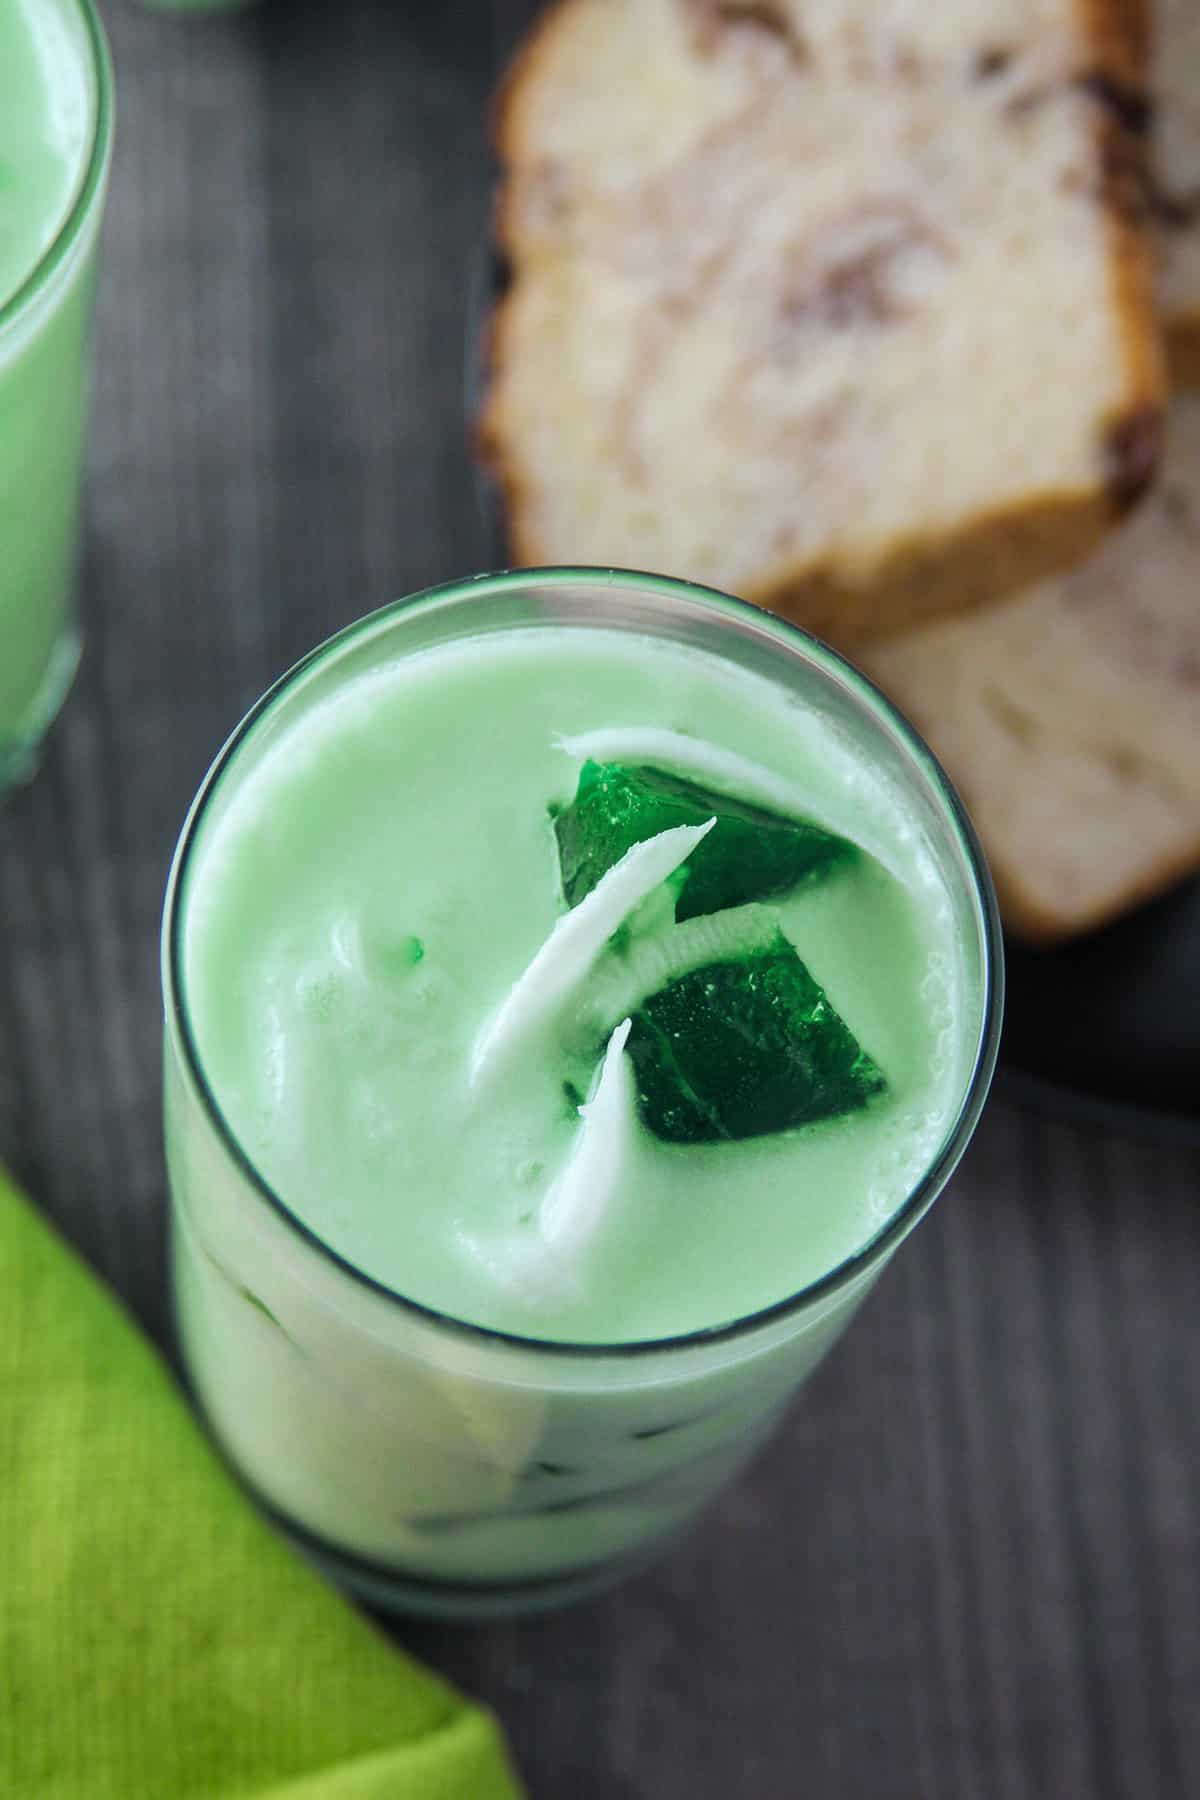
(749, 854)
(739, 1049)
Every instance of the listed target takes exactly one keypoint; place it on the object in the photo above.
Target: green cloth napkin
(157, 1640)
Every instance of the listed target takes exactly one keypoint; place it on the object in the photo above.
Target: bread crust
(1038, 924)
(1069, 716)
(1183, 352)
(925, 578)
(1176, 190)
(1039, 929)
(995, 552)
(1121, 31)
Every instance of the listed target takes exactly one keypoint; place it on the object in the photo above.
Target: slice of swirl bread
(1177, 177)
(843, 305)
(1070, 718)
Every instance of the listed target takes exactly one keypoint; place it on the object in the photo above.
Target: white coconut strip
(543, 1265)
(676, 752)
(651, 962)
(727, 773)
(521, 1263)
(345, 940)
(582, 1194)
(577, 939)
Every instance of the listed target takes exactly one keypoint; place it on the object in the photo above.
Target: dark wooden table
(970, 1565)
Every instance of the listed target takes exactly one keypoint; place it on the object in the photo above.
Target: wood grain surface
(970, 1563)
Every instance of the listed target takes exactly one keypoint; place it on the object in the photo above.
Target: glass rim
(975, 1088)
(95, 168)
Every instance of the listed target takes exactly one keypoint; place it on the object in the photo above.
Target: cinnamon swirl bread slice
(1070, 718)
(1177, 178)
(844, 305)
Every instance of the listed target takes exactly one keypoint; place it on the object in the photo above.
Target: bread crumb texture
(844, 307)
(1070, 718)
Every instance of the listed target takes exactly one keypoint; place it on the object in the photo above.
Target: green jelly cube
(749, 854)
(742, 1048)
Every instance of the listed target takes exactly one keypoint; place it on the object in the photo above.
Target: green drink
(55, 141)
(532, 1135)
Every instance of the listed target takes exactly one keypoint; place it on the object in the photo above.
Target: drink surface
(366, 896)
(47, 110)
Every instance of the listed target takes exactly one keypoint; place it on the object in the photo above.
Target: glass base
(385, 1590)
(19, 750)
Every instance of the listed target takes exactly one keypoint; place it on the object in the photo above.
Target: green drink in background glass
(55, 144)
(531, 1136)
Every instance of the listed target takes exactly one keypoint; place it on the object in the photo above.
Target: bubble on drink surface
(935, 983)
(909, 1142)
(319, 990)
(277, 1058)
(372, 1115)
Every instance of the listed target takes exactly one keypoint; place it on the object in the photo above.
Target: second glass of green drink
(55, 143)
(577, 985)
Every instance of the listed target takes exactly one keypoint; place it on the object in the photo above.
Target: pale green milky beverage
(55, 140)
(576, 986)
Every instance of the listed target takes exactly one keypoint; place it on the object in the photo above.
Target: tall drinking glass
(427, 1461)
(56, 123)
